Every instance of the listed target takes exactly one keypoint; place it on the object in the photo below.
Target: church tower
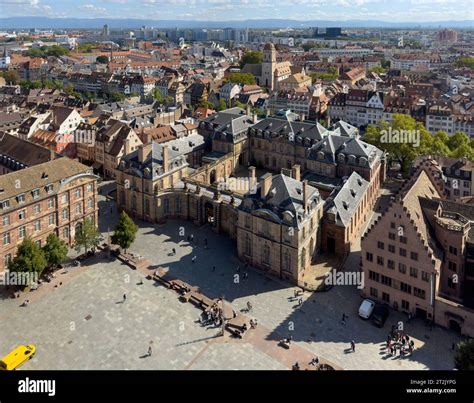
(269, 66)
(5, 59)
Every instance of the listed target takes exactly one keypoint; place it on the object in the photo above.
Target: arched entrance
(454, 325)
(209, 213)
(212, 177)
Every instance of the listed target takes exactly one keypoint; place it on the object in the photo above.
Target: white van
(366, 308)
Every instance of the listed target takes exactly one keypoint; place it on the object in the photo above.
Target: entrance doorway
(331, 245)
(209, 213)
(420, 313)
(454, 325)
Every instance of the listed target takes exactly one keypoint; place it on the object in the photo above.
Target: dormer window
(5, 204)
(48, 188)
(35, 193)
(20, 198)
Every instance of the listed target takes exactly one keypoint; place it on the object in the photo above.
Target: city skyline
(409, 11)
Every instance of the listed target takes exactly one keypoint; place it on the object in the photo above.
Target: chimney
(249, 111)
(166, 158)
(127, 149)
(305, 195)
(254, 118)
(265, 185)
(252, 177)
(52, 155)
(296, 172)
(144, 151)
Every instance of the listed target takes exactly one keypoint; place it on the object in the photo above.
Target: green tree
(125, 231)
(403, 140)
(158, 96)
(464, 355)
(29, 258)
(377, 70)
(56, 51)
(222, 105)
(251, 57)
(465, 61)
(457, 139)
(102, 60)
(116, 96)
(55, 250)
(241, 78)
(11, 77)
(439, 145)
(87, 237)
(69, 89)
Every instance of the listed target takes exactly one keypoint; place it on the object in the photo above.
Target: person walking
(194, 259)
(343, 318)
(353, 346)
(213, 268)
(150, 351)
(300, 302)
(124, 298)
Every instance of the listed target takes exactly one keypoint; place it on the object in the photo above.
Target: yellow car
(17, 357)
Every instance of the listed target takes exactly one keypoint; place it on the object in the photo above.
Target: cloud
(92, 9)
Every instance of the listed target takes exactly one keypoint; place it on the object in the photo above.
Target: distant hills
(94, 23)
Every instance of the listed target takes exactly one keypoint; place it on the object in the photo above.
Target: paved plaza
(83, 324)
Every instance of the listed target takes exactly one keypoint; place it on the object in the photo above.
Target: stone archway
(212, 177)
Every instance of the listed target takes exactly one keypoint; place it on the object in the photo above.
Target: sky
(218, 10)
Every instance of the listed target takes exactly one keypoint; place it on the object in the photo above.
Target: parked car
(366, 308)
(380, 315)
(17, 357)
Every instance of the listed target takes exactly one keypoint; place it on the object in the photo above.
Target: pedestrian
(194, 259)
(111, 210)
(246, 276)
(353, 346)
(192, 238)
(174, 251)
(300, 302)
(295, 294)
(150, 351)
(343, 318)
(205, 243)
(124, 297)
(213, 268)
(249, 306)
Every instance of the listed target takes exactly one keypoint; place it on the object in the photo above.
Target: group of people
(213, 315)
(398, 341)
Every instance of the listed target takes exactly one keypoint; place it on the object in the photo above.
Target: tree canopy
(45, 51)
(125, 231)
(251, 57)
(405, 139)
(87, 236)
(102, 60)
(11, 76)
(55, 250)
(29, 258)
(241, 78)
(464, 355)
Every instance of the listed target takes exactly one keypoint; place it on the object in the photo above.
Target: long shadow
(318, 319)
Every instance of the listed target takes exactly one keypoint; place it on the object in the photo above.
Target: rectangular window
(452, 266)
(380, 260)
(37, 226)
(5, 204)
(22, 214)
(413, 272)
(405, 287)
(50, 204)
(453, 250)
(37, 208)
(66, 232)
(386, 297)
(6, 238)
(65, 214)
(22, 232)
(374, 292)
(392, 225)
(35, 193)
(403, 252)
(387, 281)
(374, 276)
(369, 257)
(49, 188)
(391, 248)
(21, 198)
(425, 276)
(380, 245)
(414, 256)
(51, 219)
(403, 239)
(418, 292)
(391, 236)
(391, 264)
(405, 305)
(5, 220)
(78, 208)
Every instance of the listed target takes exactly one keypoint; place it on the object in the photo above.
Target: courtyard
(83, 324)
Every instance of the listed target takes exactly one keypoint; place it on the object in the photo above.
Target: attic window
(345, 205)
(353, 193)
(299, 191)
(44, 175)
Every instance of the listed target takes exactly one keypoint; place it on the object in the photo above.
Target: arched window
(266, 255)
(248, 245)
(287, 261)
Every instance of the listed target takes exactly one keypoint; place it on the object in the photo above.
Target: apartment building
(51, 197)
